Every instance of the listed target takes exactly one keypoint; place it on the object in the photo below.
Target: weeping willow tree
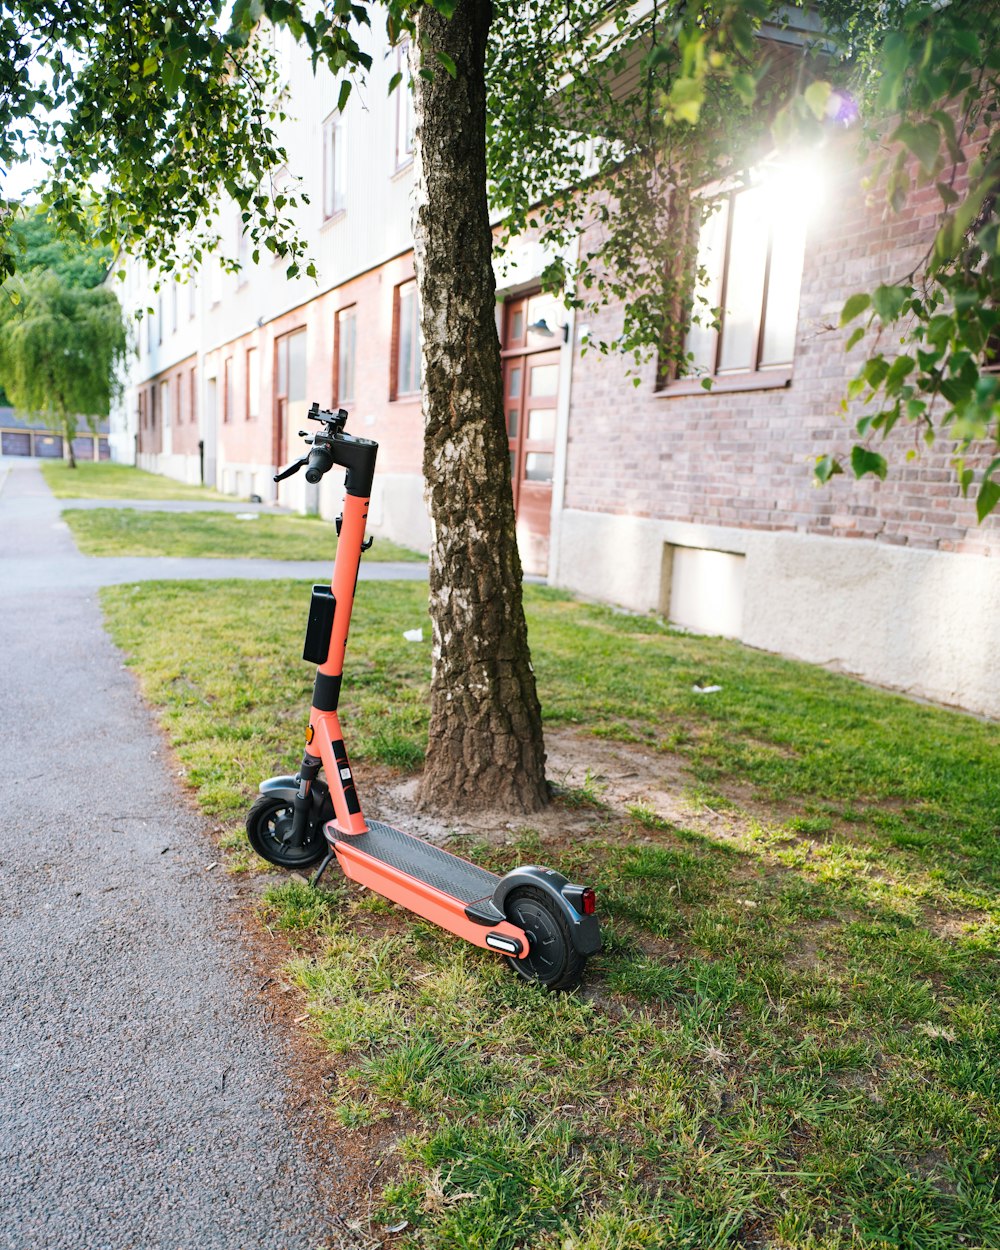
(60, 352)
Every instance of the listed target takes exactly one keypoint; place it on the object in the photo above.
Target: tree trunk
(486, 750)
(68, 436)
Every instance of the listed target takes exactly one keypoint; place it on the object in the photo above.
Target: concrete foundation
(924, 622)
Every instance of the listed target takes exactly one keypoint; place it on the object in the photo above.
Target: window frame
(249, 414)
(334, 142)
(227, 391)
(395, 390)
(348, 312)
(404, 109)
(166, 417)
(759, 376)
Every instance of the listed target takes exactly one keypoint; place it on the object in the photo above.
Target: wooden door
(531, 364)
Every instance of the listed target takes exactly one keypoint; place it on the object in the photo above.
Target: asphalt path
(143, 1096)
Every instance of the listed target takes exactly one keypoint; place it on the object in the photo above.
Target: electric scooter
(542, 924)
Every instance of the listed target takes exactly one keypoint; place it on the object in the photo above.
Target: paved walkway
(29, 505)
(143, 1103)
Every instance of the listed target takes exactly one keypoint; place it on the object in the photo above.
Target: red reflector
(589, 900)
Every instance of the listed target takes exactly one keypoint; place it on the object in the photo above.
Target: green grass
(104, 480)
(129, 532)
(791, 1038)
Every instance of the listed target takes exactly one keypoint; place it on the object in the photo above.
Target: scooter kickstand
(329, 857)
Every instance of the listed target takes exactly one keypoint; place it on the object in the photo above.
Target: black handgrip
(320, 462)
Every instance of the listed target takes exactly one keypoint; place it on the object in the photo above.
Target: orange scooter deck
(424, 878)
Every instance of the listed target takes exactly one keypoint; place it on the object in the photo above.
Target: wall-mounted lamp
(542, 328)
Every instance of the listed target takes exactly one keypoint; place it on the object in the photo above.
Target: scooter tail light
(588, 900)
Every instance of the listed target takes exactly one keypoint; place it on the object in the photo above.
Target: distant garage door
(15, 443)
(48, 445)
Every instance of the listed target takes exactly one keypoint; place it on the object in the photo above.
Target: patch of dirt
(951, 925)
(620, 774)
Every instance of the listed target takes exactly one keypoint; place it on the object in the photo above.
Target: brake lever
(292, 469)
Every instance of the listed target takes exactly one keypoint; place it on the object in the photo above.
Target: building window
(159, 317)
(750, 253)
(173, 306)
(192, 298)
(334, 178)
(165, 404)
(407, 355)
(405, 122)
(345, 343)
(227, 390)
(253, 384)
(193, 395)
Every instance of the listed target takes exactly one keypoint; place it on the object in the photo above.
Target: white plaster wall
(398, 510)
(925, 622)
(183, 468)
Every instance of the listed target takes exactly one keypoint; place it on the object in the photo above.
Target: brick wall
(396, 424)
(744, 459)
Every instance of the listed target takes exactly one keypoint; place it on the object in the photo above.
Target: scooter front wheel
(553, 960)
(269, 829)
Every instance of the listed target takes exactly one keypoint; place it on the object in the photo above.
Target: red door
(531, 399)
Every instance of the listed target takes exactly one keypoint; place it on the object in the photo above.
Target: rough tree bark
(486, 750)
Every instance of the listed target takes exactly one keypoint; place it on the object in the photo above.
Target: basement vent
(702, 590)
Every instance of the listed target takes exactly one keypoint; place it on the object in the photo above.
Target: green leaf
(825, 468)
(864, 461)
(898, 370)
(745, 86)
(923, 139)
(345, 94)
(447, 62)
(856, 336)
(987, 499)
(888, 301)
(394, 81)
(854, 306)
(967, 40)
(817, 97)
(686, 98)
(173, 76)
(874, 371)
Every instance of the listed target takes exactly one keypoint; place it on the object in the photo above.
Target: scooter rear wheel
(553, 960)
(269, 827)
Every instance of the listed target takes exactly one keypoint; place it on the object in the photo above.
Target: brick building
(701, 504)
(666, 497)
